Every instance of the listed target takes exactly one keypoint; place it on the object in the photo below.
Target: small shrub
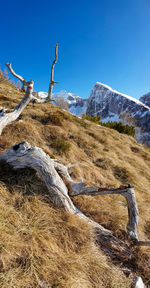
(80, 122)
(54, 119)
(50, 132)
(135, 149)
(60, 145)
(95, 118)
(120, 173)
(120, 127)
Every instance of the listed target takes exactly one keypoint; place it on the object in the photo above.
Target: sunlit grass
(40, 243)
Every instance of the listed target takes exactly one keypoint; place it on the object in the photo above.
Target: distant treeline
(119, 126)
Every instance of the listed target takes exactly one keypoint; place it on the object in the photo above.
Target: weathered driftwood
(24, 155)
(76, 189)
(59, 185)
(128, 193)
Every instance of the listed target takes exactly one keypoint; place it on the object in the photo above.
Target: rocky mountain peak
(146, 99)
(110, 105)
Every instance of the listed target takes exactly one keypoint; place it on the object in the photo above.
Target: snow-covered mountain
(146, 99)
(108, 103)
(76, 104)
(111, 105)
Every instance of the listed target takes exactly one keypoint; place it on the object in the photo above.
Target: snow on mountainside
(111, 105)
(76, 104)
(102, 91)
(146, 99)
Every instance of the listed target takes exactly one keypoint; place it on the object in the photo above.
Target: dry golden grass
(41, 243)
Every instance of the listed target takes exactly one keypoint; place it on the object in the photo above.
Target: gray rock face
(146, 99)
(111, 105)
(76, 104)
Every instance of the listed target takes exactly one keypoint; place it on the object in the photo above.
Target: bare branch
(27, 83)
(7, 118)
(52, 82)
(24, 82)
(24, 155)
(128, 193)
(78, 188)
(40, 100)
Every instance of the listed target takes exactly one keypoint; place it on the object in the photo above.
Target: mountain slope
(40, 243)
(76, 104)
(146, 99)
(111, 105)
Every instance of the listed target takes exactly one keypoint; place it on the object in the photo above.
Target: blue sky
(99, 40)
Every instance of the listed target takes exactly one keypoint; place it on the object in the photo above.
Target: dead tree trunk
(52, 82)
(7, 118)
(76, 189)
(60, 185)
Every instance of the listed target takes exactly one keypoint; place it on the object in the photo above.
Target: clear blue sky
(99, 40)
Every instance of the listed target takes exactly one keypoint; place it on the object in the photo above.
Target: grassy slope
(41, 243)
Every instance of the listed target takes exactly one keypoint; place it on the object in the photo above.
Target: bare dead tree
(56, 176)
(75, 188)
(52, 82)
(61, 186)
(7, 118)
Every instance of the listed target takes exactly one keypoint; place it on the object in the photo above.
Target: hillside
(41, 244)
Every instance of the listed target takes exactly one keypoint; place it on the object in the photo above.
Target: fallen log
(24, 155)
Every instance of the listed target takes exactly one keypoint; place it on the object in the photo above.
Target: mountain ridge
(145, 99)
(112, 105)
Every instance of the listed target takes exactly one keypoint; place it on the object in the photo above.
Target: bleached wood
(138, 282)
(24, 155)
(128, 193)
(7, 118)
(78, 188)
(52, 82)
(15, 74)
(24, 82)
